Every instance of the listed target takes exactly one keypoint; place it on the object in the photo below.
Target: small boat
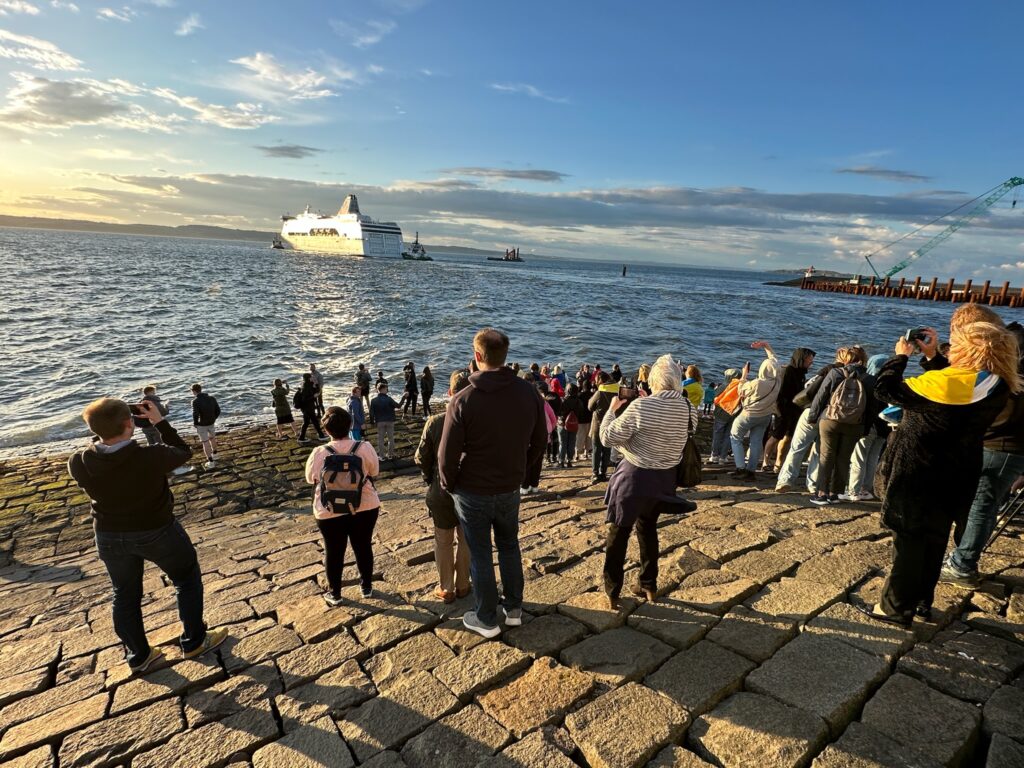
(277, 242)
(416, 251)
(511, 254)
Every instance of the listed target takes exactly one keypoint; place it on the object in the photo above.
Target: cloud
(267, 76)
(242, 116)
(503, 174)
(114, 153)
(65, 5)
(364, 35)
(289, 151)
(888, 174)
(39, 54)
(38, 103)
(17, 6)
(189, 25)
(125, 14)
(529, 90)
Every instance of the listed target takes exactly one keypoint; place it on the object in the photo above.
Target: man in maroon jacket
(493, 430)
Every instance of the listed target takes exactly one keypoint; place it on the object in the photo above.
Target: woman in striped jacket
(650, 433)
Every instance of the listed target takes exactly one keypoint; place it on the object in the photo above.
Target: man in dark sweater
(132, 514)
(205, 412)
(493, 430)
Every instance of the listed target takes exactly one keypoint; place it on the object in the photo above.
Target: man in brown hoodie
(493, 430)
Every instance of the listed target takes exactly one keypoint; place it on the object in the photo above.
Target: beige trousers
(452, 561)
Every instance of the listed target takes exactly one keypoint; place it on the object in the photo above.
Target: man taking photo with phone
(132, 510)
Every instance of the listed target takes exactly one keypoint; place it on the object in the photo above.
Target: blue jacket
(382, 408)
(355, 409)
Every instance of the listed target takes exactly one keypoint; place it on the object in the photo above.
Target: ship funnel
(351, 205)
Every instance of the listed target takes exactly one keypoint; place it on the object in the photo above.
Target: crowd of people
(941, 450)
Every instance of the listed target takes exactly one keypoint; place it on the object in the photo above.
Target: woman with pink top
(338, 529)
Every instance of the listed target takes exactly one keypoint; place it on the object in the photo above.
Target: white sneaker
(526, 491)
(513, 617)
(183, 470)
(849, 497)
(471, 622)
(210, 464)
(535, 489)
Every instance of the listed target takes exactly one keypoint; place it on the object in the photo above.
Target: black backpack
(341, 480)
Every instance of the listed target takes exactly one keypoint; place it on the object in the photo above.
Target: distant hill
(187, 230)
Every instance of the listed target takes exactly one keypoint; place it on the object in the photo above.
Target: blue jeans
(601, 456)
(479, 515)
(754, 426)
(170, 549)
(720, 438)
(566, 445)
(804, 438)
(998, 471)
(865, 463)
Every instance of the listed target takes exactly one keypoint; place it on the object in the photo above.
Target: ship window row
(318, 232)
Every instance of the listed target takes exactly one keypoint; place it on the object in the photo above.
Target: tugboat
(416, 251)
(277, 242)
(511, 254)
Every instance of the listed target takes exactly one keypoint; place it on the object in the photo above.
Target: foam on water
(84, 314)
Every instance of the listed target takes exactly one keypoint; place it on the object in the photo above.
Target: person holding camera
(599, 404)
(651, 433)
(758, 400)
(930, 470)
(132, 510)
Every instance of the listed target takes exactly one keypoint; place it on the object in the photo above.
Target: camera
(135, 409)
(627, 390)
(915, 334)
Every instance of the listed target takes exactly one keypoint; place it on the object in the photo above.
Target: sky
(744, 134)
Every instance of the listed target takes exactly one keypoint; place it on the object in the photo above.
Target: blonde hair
(643, 373)
(844, 355)
(664, 374)
(984, 346)
(693, 372)
(966, 314)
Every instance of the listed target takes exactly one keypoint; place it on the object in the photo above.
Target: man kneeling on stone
(132, 514)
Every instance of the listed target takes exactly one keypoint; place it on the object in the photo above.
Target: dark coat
(929, 470)
(439, 501)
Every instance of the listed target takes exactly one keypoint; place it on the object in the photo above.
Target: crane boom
(945, 234)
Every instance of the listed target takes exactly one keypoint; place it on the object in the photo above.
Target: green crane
(990, 198)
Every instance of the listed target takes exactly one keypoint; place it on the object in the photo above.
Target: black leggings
(337, 532)
(309, 419)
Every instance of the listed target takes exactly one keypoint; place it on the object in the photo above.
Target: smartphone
(136, 409)
(916, 334)
(628, 393)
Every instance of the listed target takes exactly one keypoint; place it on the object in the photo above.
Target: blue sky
(740, 134)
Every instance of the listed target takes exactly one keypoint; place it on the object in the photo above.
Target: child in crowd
(709, 398)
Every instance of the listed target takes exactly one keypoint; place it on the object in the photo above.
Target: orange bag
(729, 399)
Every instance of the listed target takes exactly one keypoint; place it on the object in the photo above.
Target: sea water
(84, 315)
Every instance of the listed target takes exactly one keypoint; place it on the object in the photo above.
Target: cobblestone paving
(753, 654)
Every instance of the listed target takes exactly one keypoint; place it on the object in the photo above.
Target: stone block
(714, 591)
(319, 626)
(672, 621)
(540, 696)
(677, 757)
(460, 739)
(864, 747)
(1004, 753)
(749, 633)
(796, 599)
(50, 700)
(261, 646)
(1004, 713)
(392, 626)
(481, 668)
(687, 560)
(37, 758)
(56, 723)
(316, 745)
(535, 751)
(543, 595)
(994, 652)
(821, 675)
(268, 603)
(953, 673)
(618, 655)
(843, 622)
(455, 635)
(626, 727)
(917, 716)
(17, 658)
(243, 691)
(1000, 626)
(386, 759)
(19, 686)
(748, 729)
(700, 677)
(118, 739)
(164, 683)
(215, 743)
(726, 545)
(760, 566)
(591, 609)
(333, 693)
(311, 661)
(420, 652)
(842, 567)
(400, 712)
(545, 635)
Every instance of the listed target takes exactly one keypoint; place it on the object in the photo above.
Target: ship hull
(343, 246)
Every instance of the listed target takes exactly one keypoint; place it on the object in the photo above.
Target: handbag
(688, 472)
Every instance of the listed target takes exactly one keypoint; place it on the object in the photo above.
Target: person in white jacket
(758, 399)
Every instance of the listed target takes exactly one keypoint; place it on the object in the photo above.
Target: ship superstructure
(348, 232)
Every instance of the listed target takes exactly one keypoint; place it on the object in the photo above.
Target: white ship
(349, 232)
